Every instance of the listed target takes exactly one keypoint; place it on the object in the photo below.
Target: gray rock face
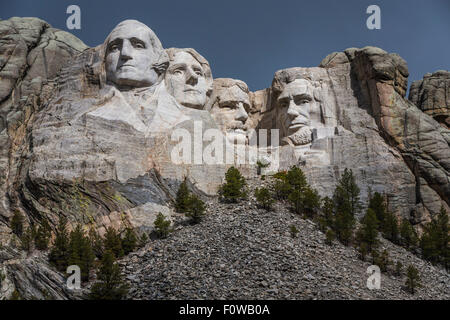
(432, 96)
(86, 136)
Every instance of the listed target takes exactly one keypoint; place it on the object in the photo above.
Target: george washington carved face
(133, 56)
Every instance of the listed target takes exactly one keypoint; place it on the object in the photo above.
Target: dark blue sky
(250, 40)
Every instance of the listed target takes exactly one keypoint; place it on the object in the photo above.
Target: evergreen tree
(264, 198)
(162, 226)
(281, 189)
(346, 194)
(296, 179)
(234, 187)
(59, 254)
(408, 235)
(17, 223)
(293, 230)
(27, 239)
(129, 241)
(311, 202)
(143, 240)
(329, 237)
(110, 285)
(344, 224)
(182, 199)
(434, 241)
(376, 203)
(96, 243)
(112, 242)
(390, 227)
(368, 232)
(328, 209)
(398, 268)
(196, 208)
(412, 279)
(383, 261)
(80, 252)
(43, 235)
(362, 250)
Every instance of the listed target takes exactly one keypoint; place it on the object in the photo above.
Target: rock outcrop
(432, 96)
(86, 135)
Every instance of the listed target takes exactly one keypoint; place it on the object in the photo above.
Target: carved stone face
(231, 113)
(130, 56)
(186, 81)
(293, 116)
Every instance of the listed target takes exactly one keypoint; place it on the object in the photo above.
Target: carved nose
(241, 114)
(191, 78)
(125, 52)
(293, 110)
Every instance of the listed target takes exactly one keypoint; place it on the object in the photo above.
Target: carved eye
(284, 103)
(198, 72)
(301, 100)
(138, 44)
(113, 47)
(177, 72)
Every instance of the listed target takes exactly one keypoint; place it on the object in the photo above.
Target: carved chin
(301, 137)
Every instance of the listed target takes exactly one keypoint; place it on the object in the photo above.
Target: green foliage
(327, 210)
(390, 227)
(80, 252)
(96, 243)
(408, 235)
(143, 240)
(195, 209)
(59, 254)
(296, 178)
(344, 223)
(376, 203)
(15, 296)
(264, 198)
(162, 226)
(412, 279)
(382, 260)
(329, 237)
(293, 230)
(398, 268)
(112, 242)
(346, 194)
(27, 239)
(234, 187)
(368, 232)
(129, 241)
(182, 199)
(281, 175)
(16, 223)
(43, 235)
(435, 240)
(362, 249)
(281, 189)
(110, 285)
(311, 201)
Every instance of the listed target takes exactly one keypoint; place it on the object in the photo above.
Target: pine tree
(344, 224)
(346, 194)
(96, 243)
(162, 226)
(362, 251)
(383, 261)
(412, 279)
(234, 187)
(59, 254)
(129, 241)
(80, 252)
(329, 237)
(376, 203)
(27, 239)
(110, 285)
(182, 199)
(368, 232)
(311, 202)
(390, 227)
(17, 223)
(112, 242)
(281, 189)
(43, 235)
(143, 240)
(196, 208)
(264, 198)
(293, 230)
(398, 268)
(328, 209)
(408, 235)
(434, 241)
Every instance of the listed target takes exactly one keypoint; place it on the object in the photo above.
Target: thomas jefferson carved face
(132, 50)
(230, 111)
(293, 116)
(188, 80)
